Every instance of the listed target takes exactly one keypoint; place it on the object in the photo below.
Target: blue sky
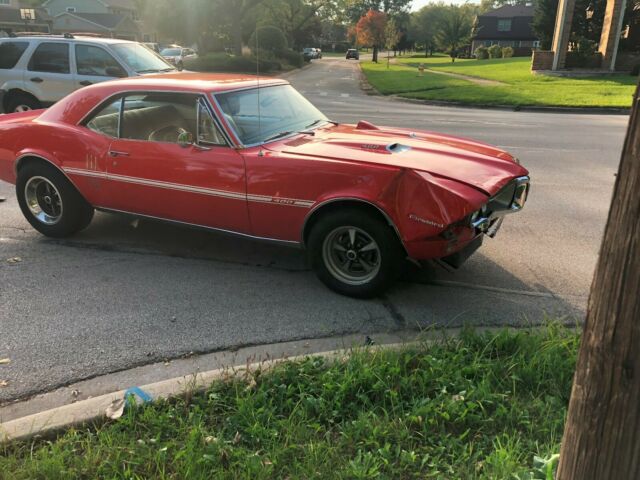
(418, 4)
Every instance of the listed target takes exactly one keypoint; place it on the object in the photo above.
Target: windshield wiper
(276, 136)
(149, 70)
(313, 124)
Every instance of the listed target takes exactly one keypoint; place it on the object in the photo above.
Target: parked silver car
(37, 71)
(177, 55)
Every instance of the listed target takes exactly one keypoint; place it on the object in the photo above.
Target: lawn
(521, 88)
(479, 406)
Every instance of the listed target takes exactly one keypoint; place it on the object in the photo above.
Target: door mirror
(115, 72)
(185, 139)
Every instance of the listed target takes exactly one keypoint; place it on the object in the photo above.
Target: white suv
(37, 71)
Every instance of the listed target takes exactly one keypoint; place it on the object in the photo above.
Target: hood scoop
(397, 148)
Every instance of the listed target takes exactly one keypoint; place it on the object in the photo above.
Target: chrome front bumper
(510, 199)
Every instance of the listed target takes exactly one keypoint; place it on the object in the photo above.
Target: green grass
(474, 407)
(521, 87)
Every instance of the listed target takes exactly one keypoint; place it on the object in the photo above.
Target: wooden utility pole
(602, 435)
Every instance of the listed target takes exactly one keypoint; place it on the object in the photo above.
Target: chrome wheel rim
(351, 255)
(43, 200)
(22, 108)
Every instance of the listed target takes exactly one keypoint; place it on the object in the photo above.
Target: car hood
(479, 165)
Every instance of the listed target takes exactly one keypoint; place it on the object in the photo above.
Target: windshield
(282, 111)
(141, 59)
(171, 52)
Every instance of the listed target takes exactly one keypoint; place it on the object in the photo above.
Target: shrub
(295, 59)
(221, 62)
(507, 52)
(482, 53)
(269, 38)
(495, 51)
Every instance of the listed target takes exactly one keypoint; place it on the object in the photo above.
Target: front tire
(355, 253)
(50, 203)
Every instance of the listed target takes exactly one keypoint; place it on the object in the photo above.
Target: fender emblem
(426, 222)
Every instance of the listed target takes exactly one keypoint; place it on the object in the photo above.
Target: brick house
(507, 26)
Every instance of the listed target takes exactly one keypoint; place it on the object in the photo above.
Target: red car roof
(75, 106)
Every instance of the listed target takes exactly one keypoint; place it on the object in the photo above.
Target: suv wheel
(50, 203)
(21, 102)
(355, 254)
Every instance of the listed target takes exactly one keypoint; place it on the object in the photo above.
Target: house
(112, 18)
(17, 17)
(507, 26)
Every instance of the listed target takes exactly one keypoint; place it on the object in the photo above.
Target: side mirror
(185, 139)
(115, 72)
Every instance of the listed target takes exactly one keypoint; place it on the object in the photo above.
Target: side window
(50, 58)
(10, 53)
(107, 120)
(208, 131)
(159, 117)
(96, 61)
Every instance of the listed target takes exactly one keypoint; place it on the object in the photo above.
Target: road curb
(371, 90)
(94, 409)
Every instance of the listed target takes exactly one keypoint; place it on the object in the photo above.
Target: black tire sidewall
(391, 252)
(76, 212)
(22, 99)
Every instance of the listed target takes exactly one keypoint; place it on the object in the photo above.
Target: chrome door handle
(115, 153)
(36, 80)
(85, 83)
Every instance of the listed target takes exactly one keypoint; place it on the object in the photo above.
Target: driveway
(122, 294)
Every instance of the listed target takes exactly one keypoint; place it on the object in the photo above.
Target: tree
(544, 21)
(391, 37)
(268, 38)
(370, 31)
(454, 30)
(425, 24)
(601, 434)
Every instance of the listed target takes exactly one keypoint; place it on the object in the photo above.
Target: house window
(71, 9)
(536, 44)
(5, 2)
(504, 25)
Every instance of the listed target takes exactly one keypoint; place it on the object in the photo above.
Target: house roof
(125, 4)
(106, 20)
(521, 17)
(12, 15)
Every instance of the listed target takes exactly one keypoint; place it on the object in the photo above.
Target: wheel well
(366, 208)
(12, 92)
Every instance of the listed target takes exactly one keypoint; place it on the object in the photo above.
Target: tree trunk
(602, 433)
(375, 54)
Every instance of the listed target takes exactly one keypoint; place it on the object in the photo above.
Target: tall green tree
(425, 24)
(454, 30)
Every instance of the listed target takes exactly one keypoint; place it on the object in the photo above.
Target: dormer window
(504, 24)
(71, 9)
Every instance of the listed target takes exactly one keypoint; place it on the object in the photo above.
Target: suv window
(96, 61)
(50, 58)
(10, 53)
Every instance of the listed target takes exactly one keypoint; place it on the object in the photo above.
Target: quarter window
(96, 61)
(107, 120)
(10, 53)
(208, 131)
(50, 58)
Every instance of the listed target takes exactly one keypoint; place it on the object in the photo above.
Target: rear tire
(50, 203)
(21, 102)
(355, 253)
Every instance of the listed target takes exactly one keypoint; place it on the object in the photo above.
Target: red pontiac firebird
(253, 157)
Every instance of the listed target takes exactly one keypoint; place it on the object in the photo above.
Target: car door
(48, 72)
(93, 64)
(153, 170)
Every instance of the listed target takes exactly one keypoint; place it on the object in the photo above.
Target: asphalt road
(119, 295)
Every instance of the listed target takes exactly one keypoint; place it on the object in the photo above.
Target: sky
(418, 4)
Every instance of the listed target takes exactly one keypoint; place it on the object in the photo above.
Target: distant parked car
(37, 71)
(309, 53)
(353, 53)
(177, 55)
